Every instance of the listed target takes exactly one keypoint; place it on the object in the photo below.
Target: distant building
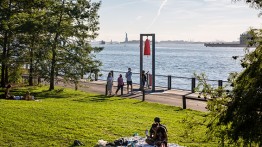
(126, 40)
(102, 42)
(243, 42)
(244, 38)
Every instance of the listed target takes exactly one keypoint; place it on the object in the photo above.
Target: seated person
(7, 94)
(157, 120)
(27, 96)
(158, 136)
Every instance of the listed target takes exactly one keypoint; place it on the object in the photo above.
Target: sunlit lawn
(63, 115)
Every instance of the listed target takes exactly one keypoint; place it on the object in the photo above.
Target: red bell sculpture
(147, 47)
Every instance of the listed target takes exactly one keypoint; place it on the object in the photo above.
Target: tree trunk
(4, 57)
(53, 62)
(52, 74)
(31, 70)
(6, 75)
(31, 73)
(38, 80)
(76, 85)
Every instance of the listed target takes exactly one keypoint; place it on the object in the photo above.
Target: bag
(78, 143)
(121, 142)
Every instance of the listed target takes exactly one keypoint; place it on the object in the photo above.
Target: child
(120, 84)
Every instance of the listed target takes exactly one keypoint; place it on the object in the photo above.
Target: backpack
(164, 127)
(78, 143)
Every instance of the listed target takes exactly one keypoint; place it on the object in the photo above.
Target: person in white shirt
(129, 80)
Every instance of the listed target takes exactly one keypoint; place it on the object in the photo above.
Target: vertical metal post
(96, 76)
(122, 90)
(147, 80)
(169, 82)
(220, 83)
(193, 85)
(141, 58)
(143, 95)
(153, 62)
(106, 89)
(184, 101)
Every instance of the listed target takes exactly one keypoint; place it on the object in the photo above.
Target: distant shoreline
(166, 42)
(224, 45)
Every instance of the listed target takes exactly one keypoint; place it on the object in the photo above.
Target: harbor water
(180, 61)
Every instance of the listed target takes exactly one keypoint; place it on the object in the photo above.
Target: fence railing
(166, 81)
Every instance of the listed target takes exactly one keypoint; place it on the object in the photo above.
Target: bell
(147, 47)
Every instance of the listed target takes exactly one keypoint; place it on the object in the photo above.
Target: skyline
(189, 20)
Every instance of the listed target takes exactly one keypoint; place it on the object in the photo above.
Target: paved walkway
(162, 95)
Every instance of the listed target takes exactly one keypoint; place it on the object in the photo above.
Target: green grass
(63, 115)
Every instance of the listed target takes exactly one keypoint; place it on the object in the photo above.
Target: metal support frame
(153, 58)
(193, 85)
(169, 82)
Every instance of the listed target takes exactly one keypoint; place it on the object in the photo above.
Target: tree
(52, 36)
(6, 11)
(71, 24)
(9, 9)
(237, 115)
(31, 32)
(78, 51)
(244, 111)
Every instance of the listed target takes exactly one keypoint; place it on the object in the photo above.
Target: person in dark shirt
(120, 84)
(143, 77)
(158, 134)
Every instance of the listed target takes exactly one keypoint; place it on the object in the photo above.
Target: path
(163, 96)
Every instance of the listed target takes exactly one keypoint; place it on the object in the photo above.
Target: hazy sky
(190, 20)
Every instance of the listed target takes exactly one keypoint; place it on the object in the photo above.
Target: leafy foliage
(244, 112)
(205, 89)
(51, 36)
(236, 116)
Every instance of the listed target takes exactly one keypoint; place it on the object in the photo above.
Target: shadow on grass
(138, 102)
(51, 94)
(58, 93)
(98, 98)
(14, 92)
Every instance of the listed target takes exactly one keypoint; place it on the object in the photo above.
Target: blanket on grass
(134, 141)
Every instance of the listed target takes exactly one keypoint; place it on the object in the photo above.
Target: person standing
(129, 80)
(143, 77)
(120, 84)
(109, 83)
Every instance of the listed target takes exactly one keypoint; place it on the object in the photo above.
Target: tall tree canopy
(51, 36)
(238, 114)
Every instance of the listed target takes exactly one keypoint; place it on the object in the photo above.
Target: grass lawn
(63, 115)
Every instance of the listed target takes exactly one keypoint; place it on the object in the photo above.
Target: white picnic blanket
(140, 142)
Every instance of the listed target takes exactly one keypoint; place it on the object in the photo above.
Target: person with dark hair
(143, 77)
(157, 134)
(129, 80)
(27, 96)
(157, 120)
(120, 83)
(7, 94)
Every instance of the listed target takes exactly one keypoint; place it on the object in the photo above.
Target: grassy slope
(60, 117)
